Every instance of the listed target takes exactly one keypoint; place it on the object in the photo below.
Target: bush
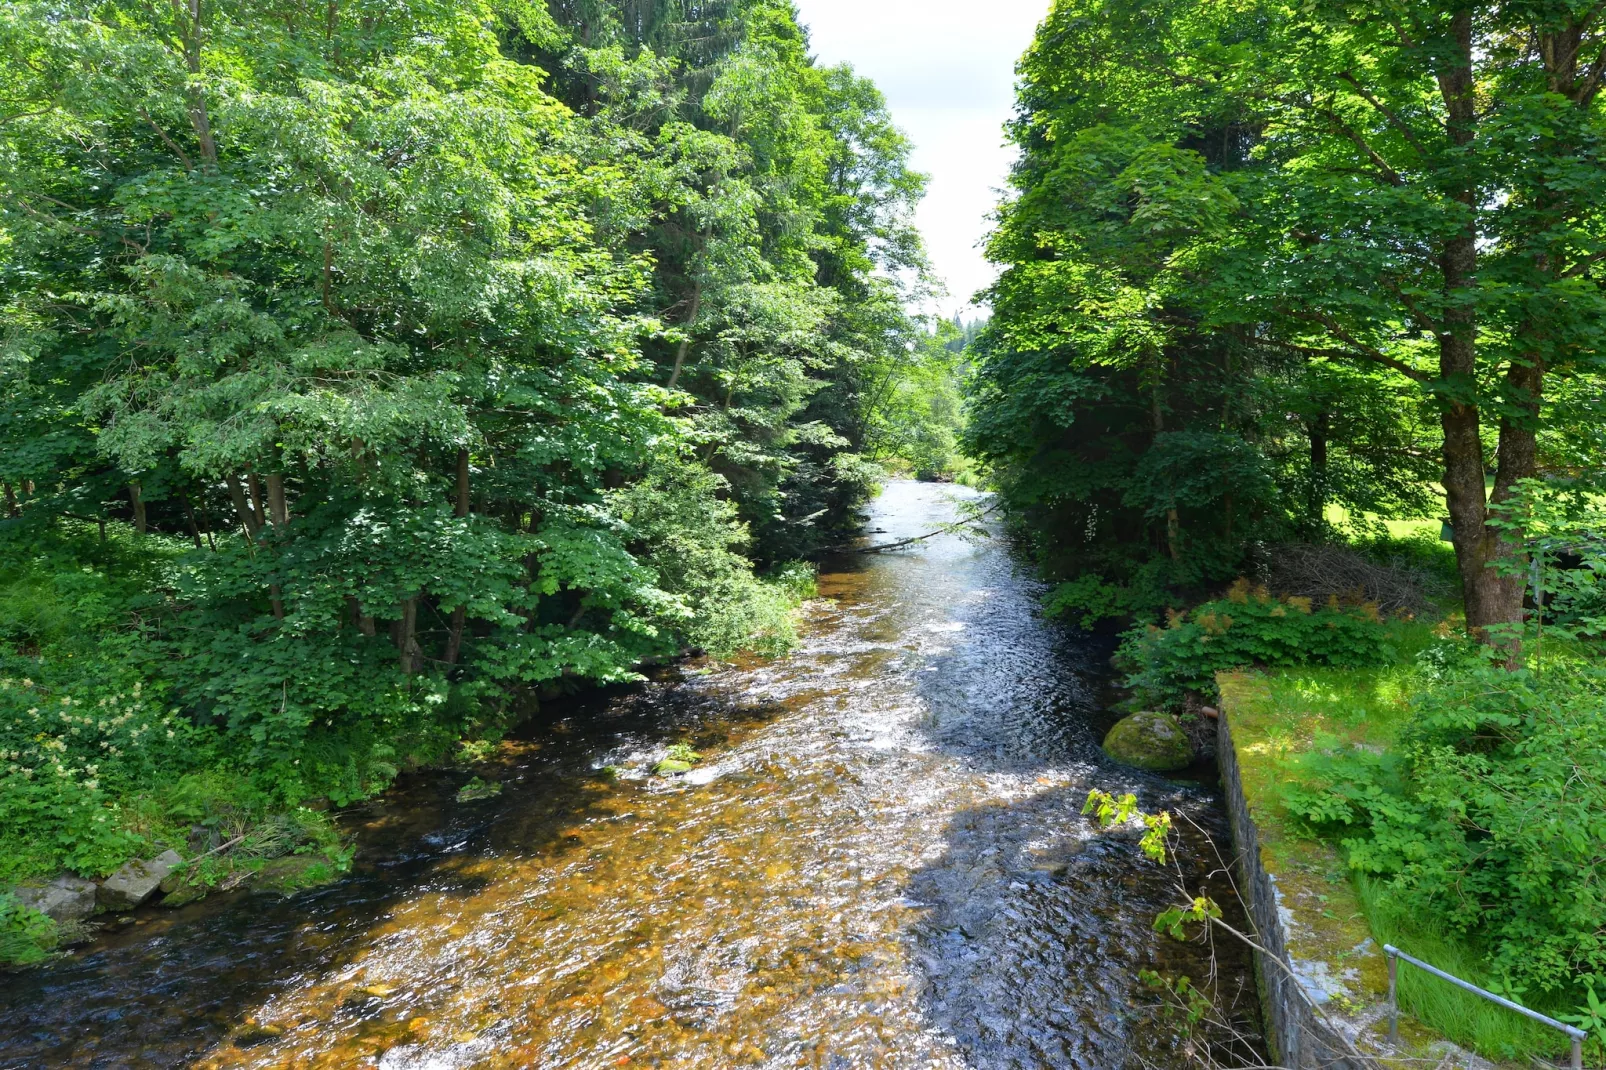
(26, 936)
(694, 540)
(1248, 628)
(1491, 815)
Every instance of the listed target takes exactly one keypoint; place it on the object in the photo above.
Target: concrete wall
(1299, 1039)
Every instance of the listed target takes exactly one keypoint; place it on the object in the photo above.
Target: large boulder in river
(137, 881)
(1152, 741)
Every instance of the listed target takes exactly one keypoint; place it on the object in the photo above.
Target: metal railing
(1395, 954)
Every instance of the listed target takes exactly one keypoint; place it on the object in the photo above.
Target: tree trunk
(12, 509)
(255, 487)
(685, 343)
(454, 638)
(199, 119)
(189, 515)
(1490, 599)
(248, 517)
(138, 501)
(407, 650)
(277, 509)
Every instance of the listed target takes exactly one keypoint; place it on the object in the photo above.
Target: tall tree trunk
(407, 650)
(278, 512)
(12, 510)
(454, 638)
(199, 118)
(255, 487)
(242, 507)
(1490, 599)
(685, 342)
(138, 501)
(280, 516)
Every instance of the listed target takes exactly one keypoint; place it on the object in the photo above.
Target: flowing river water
(880, 862)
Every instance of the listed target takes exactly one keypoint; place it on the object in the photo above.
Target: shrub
(693, 539)
(1248, 628)
(26, 936)
(1492, 815)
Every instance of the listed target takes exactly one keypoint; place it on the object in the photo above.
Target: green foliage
(26, 936)
(477, 789)
(357, 377)
(1248, 628)
(1488, 815)
(1469, 1020)
(918, 414)
(1108, 811)
(682, 752)
(1265, 259)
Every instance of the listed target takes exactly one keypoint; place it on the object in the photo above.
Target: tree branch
(1359, 352)
(1384, 110)
(183, 157)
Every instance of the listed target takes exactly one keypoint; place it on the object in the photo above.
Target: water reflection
(881, 864)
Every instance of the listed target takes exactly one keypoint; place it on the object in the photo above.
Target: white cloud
(947, 68)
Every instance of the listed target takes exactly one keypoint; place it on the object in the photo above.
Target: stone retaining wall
(1299, 1039)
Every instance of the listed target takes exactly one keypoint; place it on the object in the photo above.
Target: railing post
(1578, 1053)
(1394, 999)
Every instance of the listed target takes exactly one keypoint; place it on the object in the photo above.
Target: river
(880, 862)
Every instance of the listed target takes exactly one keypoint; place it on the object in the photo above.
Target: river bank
(880, 861)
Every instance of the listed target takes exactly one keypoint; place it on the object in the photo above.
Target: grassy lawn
(1341, 517)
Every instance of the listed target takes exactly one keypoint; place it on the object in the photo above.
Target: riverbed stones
(136, 882)
(1152, 741)
(67, 898)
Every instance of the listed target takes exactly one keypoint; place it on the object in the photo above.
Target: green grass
(1470, 1021)
(1341, 517)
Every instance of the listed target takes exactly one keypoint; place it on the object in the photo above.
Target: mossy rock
(183, 887)
(477, 789)
(672, 767)
(1151, 741)
(292, 873)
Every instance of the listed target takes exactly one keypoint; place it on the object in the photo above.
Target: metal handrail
(1395, 953)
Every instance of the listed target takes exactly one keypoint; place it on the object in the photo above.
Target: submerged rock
(136, 882)
(477, 789)
(1152, 741)
(67, 898)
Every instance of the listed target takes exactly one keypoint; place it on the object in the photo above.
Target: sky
(947, 68)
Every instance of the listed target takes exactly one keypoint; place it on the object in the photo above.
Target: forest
(372, 372)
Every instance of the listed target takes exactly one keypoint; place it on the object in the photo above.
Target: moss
(1152, 741)
(292, 873)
